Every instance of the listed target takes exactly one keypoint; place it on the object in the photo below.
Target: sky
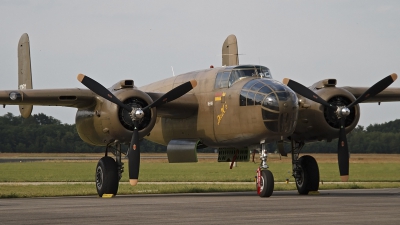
(355, 42)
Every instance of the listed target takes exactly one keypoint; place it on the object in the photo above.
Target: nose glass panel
(271, 102)
(279, 105)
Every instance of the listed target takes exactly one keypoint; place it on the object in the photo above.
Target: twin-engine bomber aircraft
(235, 108)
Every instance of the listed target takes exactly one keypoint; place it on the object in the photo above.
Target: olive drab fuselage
(229, 114)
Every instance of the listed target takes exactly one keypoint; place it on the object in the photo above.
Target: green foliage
(377, 138)
(41, 133)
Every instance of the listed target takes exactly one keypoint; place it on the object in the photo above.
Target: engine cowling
(105, 121)
(316, 122)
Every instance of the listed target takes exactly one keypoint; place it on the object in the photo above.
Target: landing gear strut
(305, 170)
(109, 171)
(265, 179)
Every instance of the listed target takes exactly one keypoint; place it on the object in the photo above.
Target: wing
(387, 95)
(73, 97)
(182, 107)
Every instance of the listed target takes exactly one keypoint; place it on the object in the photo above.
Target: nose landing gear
(265, 179)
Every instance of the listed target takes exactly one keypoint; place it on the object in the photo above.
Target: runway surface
(379, 206)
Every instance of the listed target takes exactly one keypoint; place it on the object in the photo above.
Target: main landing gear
(264, 178)
(305, 170)
(109, 171)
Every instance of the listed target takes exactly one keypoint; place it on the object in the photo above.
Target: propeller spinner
(136, 114)
(342, 112)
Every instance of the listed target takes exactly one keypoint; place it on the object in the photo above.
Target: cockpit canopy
(232, 74)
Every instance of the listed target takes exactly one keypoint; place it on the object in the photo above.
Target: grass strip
(190, 172)
(29, 191)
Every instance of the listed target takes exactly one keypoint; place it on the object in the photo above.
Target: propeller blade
(307, 93)
(134, 146)
(101, 90)
(134, 156)
(173, 94)
(375, 89)
(343, 152)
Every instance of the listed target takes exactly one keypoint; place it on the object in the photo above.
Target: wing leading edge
(387, 95)
(182, 107)
(73, 97)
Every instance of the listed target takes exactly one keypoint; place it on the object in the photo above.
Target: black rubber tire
(309, 175)
(106, 177)
(267, 183)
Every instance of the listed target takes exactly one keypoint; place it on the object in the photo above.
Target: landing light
(15, 96)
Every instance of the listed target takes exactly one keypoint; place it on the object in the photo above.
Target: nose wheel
(265, 183)
(265, 179)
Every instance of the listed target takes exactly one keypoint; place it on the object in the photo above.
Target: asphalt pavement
(378, 206)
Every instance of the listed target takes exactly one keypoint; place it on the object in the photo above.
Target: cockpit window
(233, 74)
(241, 72)
(222, 80)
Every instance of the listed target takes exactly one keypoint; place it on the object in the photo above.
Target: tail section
(230, 56)
(24, 72)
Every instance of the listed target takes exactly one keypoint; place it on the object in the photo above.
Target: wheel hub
(99, 177)
(300, 177)
(261, 183)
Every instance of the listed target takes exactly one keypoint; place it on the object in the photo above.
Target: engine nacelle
(106, 121)
(316, 122)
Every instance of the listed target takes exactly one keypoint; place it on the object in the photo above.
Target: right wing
(182, 107)
(72, 97)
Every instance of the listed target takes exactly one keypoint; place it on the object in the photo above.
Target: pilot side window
(222, 80)
(238, 74)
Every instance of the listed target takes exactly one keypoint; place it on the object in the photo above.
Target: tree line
(375, 138)
(42, 133)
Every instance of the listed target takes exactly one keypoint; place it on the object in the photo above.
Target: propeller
(136, 114)
(342, 112)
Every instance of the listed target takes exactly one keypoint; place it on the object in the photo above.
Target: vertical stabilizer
(230, 51)
(24, 71)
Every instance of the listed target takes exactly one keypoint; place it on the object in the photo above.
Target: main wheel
(266, 183)
(309, 180)
(107, 176)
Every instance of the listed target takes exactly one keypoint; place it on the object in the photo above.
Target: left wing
(387, 95)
